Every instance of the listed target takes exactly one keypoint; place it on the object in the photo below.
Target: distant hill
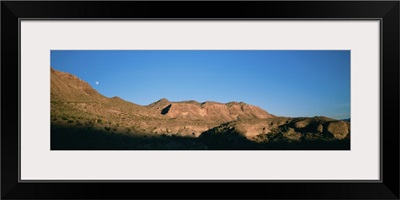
(347, 120)
(75, 105)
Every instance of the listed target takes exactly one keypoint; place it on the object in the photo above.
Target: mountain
(73, 99)
(75, 105)
(210, 111)
(66, 87)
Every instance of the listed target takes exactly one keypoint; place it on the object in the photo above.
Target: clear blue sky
(284, 83)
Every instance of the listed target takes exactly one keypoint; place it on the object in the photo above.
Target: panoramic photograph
(200, 100)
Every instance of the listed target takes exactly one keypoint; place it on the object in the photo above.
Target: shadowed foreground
(87, 138)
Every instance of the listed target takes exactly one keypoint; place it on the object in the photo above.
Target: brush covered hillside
(82, 118)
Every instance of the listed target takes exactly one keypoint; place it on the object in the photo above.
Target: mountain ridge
(74, 103)
(66, 87)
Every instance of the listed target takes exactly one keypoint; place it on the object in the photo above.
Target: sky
(292, 83)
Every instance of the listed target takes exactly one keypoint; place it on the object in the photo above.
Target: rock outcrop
(338, 129)
(211, 111)
(287, 129)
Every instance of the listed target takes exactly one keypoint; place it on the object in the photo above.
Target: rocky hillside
(286, 129)
(209, 111)
(75, 101)
(75, 104)
(66, 87)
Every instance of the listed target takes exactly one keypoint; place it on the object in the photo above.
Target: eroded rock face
(214, 111)
(292, 135)
(320, 128)
(288, 129)
(302, 124)
(338, 129)
(250, 130)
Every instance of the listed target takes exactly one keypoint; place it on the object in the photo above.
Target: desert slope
(75, 102)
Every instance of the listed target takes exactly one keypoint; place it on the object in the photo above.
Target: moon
(97, 82)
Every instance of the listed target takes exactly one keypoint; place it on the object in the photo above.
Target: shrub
(90, 124)
(70, 121)
(64, 118)
(78, 123)
(107, 128)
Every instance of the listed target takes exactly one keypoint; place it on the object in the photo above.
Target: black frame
(386, 11)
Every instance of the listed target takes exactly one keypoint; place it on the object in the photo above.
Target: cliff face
(213, 111)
